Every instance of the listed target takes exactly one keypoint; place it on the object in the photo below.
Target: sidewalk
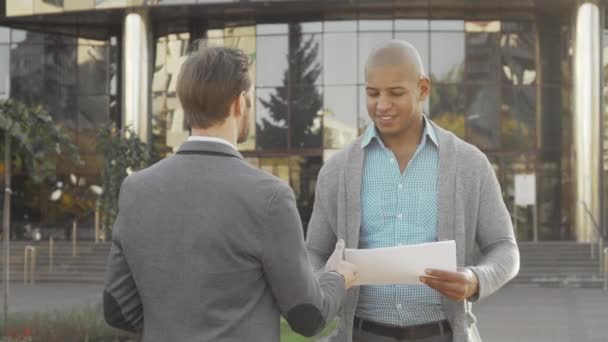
(512, 314)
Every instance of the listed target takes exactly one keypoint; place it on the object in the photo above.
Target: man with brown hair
(206, 247)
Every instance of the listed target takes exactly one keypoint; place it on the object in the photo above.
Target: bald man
(407, 181)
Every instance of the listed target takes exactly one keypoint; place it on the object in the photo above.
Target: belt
(402, 333)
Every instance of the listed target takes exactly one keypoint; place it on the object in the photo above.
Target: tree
(42, 145)
(123, 153)
(297, 102)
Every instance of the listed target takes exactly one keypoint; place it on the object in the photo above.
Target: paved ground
(512, 314)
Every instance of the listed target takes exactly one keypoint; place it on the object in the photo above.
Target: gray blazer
(208, 248)
(471, 211)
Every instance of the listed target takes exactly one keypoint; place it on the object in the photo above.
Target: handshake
(337, 264)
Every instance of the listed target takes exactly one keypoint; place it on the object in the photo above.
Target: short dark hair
(209, 80)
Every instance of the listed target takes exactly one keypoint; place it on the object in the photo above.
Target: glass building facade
(503, 78)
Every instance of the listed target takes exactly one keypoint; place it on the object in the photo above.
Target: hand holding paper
(403, 264)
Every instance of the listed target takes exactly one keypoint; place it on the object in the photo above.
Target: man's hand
(456, 286)
(336, 263)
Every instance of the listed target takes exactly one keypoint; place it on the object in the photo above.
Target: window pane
(271, 60)
(93, 111)
(447, 25)
(411, 25)
(340, 26)
(5, 35)
(519, 117)
(340, 116)
(363, 119)
(60, 95)
(272, 29)
(447, 57)
(482, 26)
(271, 118)
(518, 58)
(447, 107)
(367, 41)
(306, 65)
(312, 27)
(420, 40)
(110, 3)
(27, 73)
(375, 25)
(21, 36)
(21, 7)
(340, 53)
(93, 75)
(483, 57)
(306, 104)
(47, 6)
(5, 75)
(72, 5)
(483, 116)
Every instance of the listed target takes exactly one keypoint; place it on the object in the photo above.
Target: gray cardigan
(471, 211)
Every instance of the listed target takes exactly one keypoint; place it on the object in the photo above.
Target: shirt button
(399, 306)
(392, 160)
(400, 216)
(400, 186)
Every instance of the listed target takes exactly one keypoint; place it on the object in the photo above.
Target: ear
(425, 88)
(236, 105)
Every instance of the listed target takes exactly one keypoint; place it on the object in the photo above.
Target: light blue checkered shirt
(399, 209)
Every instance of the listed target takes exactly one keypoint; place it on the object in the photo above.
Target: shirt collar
(371, 133)
(211, 139)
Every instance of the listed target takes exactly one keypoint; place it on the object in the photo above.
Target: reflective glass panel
(339, 59)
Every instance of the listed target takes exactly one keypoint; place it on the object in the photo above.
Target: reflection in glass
(21, 36)
(20, 7)
(340, 26)
(420, 40)
(60, 81)
(363, 118)
(483, 116)
(5, 35)
(5, 76)
(447, 107)
(518, 57)
(264, 29)
(271, 60)
(447, 25)
(367, 42)
(27, 73)
(482, 26)
(339, 116)
(483, 57)
(306, 106)
(518, 117)
(271, 118)
(93, 111)
(71, 5)
(48, 6)
(305, 48)
(375, 25)
(93, 73)
(169, 127)
(304, 98)
(312, 27)
(447, 57)
(339, 58)
(411, 25)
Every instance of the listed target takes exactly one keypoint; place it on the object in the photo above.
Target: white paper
(403, 264)
(525, 189)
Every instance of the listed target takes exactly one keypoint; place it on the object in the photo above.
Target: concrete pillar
(586, 119)
(136, 66)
